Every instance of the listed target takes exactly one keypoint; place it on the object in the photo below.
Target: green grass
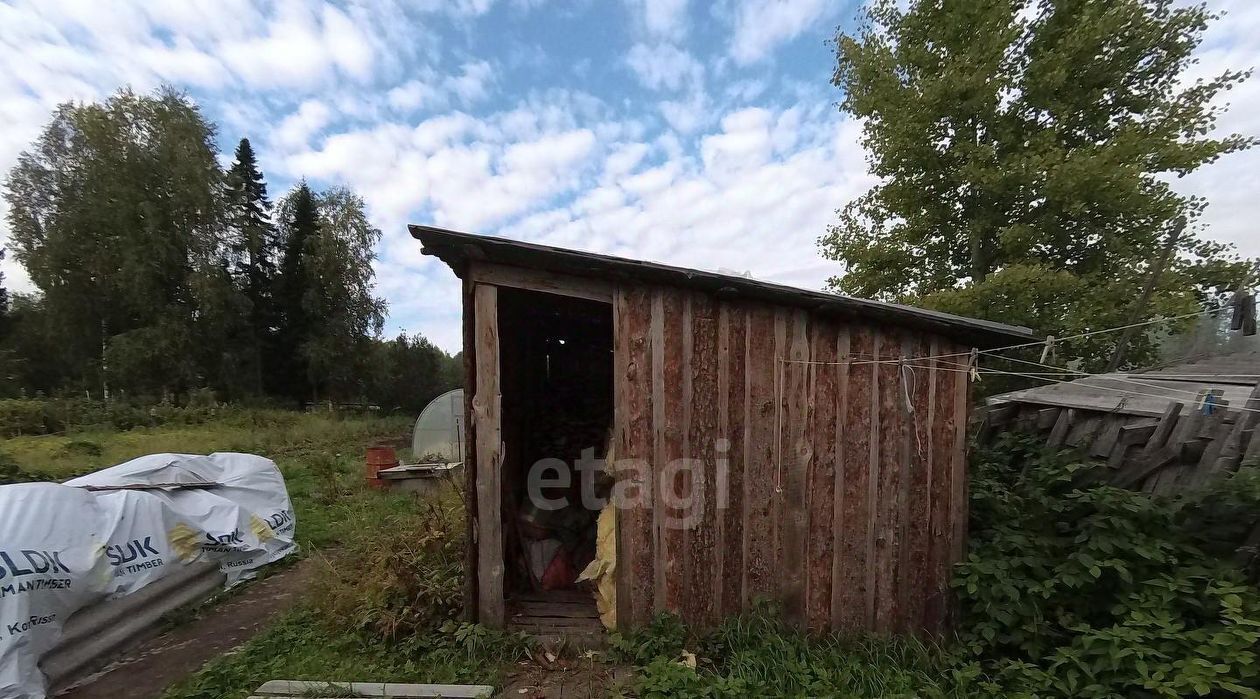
(342, 523)
(758, 654)
(297, 442)
(301, 646)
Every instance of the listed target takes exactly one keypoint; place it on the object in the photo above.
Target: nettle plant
(1102, 592)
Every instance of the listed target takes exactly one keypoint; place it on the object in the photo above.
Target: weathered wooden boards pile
(1186, 447)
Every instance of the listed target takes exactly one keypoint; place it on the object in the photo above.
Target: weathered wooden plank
(917, 576)
(821, 492)
(944, 393)
(731, 497)
(703, 432)
(888, 501)
(759, 477)
(1251, 457)
(1163, 478)
(684, 488)
(539, 280)
(1164, 429)
(1147, 465)
(797, 456)
(1046, 417)
(470, 455)
(838, 535)
(672, 559)
(1084, 430)
(558, 610)
(1002, 413)
(1062, 424)
(1229, 456)
(486, 411)
(959, 482)
(1107, 437)
(855, 583)
(658, 450)
(722, 453)
(636, 556)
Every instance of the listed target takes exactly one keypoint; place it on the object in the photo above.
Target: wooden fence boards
(826, 473)
(821, 493)
(730, 490)
(889, 498)
(855, 590)
(668, 433)
(1185, 447)
(636, 555)
(702, 429)
(839, 564)
(759, 473)
(916, 579)
(943, 430)
(796, 458)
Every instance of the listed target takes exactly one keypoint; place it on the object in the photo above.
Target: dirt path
(147, 670)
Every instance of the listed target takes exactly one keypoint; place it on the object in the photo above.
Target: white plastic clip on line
(1048, 350)
(974, 363)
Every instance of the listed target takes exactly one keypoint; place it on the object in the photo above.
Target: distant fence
(1183, 448)
(1178, 451)
(97, 634)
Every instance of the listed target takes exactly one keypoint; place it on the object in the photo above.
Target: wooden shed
(829, 443)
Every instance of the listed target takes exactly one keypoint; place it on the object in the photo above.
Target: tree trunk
(1156, 270)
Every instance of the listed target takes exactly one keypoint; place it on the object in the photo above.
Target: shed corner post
(486, 407)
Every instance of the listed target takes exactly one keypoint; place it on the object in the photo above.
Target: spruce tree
(254, 254)
(299, 224)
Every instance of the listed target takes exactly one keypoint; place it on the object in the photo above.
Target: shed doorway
(556, 384)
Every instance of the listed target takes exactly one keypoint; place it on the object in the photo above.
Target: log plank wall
(844, 482)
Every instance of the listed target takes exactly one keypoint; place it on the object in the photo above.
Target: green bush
(1099, 592)
(19, 417)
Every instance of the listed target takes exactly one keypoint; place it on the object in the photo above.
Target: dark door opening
(556, 363)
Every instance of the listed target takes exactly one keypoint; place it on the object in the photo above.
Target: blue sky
(694, 133)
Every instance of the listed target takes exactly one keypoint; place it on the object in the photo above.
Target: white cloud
(664, 66)
(730, 167)
(661, 18)
(297, 129)
(688, 114)
(472, 83)
(760, 25)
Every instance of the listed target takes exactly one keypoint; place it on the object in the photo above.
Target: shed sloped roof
(456, 249)
(1149, 392)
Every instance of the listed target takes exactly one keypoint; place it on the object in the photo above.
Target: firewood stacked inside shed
(556, 370)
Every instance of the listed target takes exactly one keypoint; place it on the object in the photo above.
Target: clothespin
(903, 369)
(974, 363)
(1048, 350)
(1244, 317)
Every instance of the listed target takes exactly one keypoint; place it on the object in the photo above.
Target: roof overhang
(458, 249)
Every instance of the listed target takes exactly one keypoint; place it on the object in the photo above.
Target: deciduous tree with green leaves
(339, 293)
(1025, 151)
(329, 314)
(116, 214)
